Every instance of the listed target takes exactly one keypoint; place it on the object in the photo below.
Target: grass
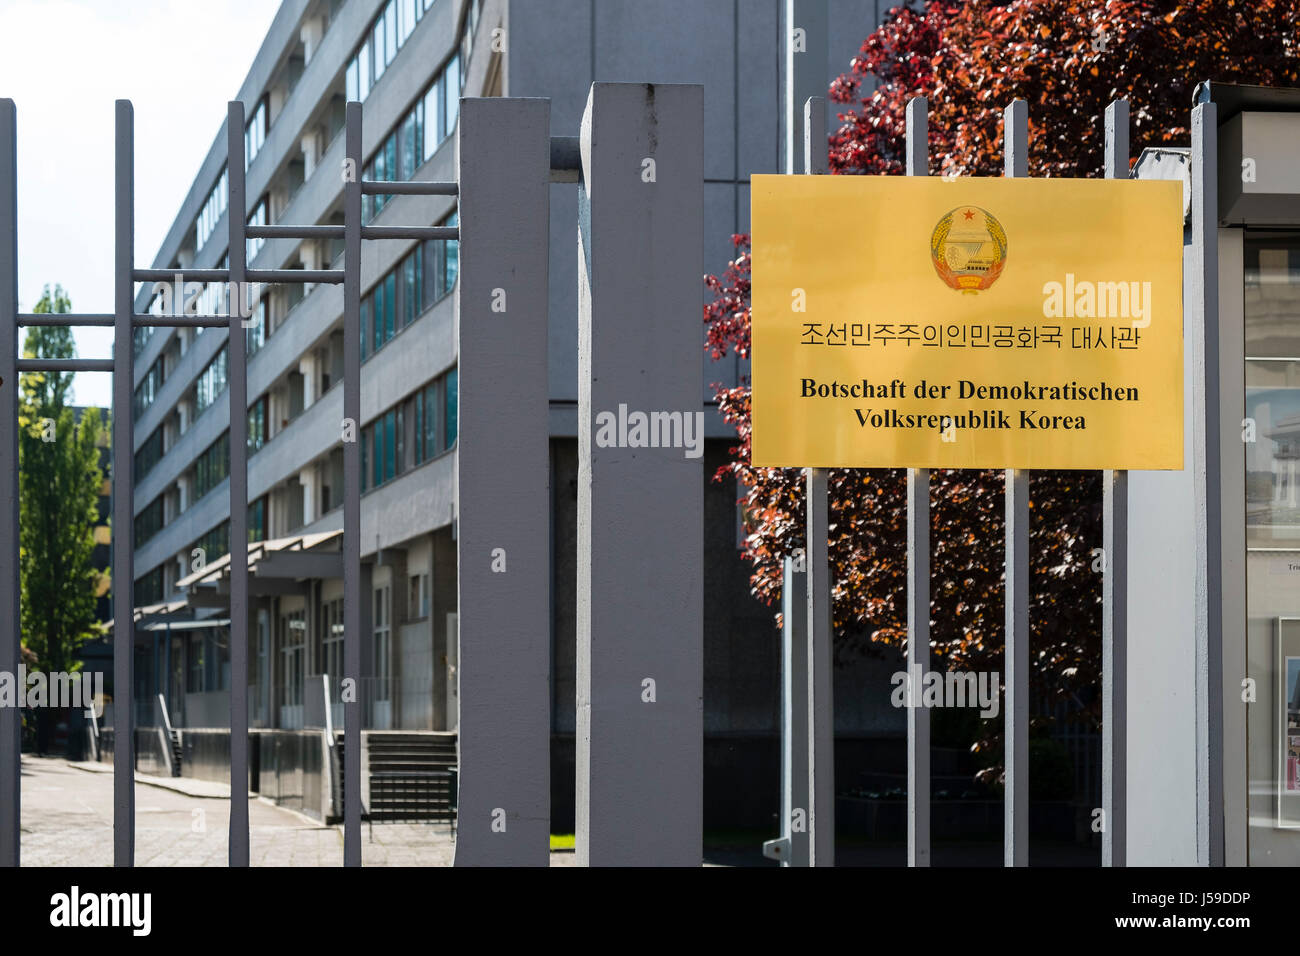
(561, 841)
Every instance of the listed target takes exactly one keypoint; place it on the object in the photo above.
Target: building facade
(409, 62)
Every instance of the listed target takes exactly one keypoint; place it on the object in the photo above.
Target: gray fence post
(352, 578)
(918, 576)
(640, 499)
(1114, 601)
(237, 391)
(503, 482)
(1016, 654)
(123, 483)
(10, 627)
(794, 712)
(1207, 440)
(821, 630)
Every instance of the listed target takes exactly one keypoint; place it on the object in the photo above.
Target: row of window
(416, 137)
(388, 449)
(259, 218)
(422, 278)
(389, 31)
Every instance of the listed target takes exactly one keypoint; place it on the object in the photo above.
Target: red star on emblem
(969, 214)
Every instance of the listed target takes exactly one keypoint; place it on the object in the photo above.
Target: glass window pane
(363, 71)
(390, 29)
(390, 446)
(431, 420)
(432, 110)
(450, 385)
(380, 55)
(390, 304)
(353, 88)
(452, 91)
(453, 252)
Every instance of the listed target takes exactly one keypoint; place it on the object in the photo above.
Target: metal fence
(124, 321)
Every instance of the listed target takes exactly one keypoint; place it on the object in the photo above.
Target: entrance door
(1272, 349)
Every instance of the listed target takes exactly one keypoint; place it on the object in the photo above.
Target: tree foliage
(58, 486)
(1068, 59)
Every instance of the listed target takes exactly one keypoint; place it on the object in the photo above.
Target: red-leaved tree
(1069, 59)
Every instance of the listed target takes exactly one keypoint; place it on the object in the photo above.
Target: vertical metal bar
(640, 654)
(918, 577)
(805, 37)
(503, 482)
(352, 582)
(123, 485)
(1114, 599)
(794, 712)
(10, 625)
(1203, 330)
(821, 631)
(237, 362)
(1016, 654)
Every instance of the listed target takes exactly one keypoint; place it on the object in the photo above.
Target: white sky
(63, 63)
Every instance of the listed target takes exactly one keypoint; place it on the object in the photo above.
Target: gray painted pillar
(354, 590)
(794, 713)
(1202, 327)
(1016, 655)
(237, 393)
(821, 630)
(123, 483)
(10, 625)
(805, 51)
(803, 40)
(918, 574)
(640, 509)
(1114, 599)
(503, 482)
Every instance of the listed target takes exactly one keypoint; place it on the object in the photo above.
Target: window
(214, 544)
(149, 521)
(255, 132)
(150, 454)
(253, 246)
(212, 467)
(417, 605)
(383, 631)
(383, 447)
(257, 520)
(148, 388)
(149, 588)
(213, 209)
(389, 31)
(211, 382)
(255, 332)
(330, 658)
(293, 653)
(197, 665)
(450, 393)
(257, 424)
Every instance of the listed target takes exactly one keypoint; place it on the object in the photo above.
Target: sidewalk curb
(162, 783)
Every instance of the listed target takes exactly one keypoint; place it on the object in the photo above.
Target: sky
(63, 64)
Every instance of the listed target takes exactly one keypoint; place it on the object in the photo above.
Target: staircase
(174, 739)
(412, 776)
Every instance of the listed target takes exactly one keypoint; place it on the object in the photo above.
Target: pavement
(67, 820)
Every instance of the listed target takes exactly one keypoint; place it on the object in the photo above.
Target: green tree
(58, 487)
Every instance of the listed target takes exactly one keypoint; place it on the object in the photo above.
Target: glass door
(1272, 449)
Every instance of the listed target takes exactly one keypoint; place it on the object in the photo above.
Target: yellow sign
(974, 323)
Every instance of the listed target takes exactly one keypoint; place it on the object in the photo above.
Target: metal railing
(124, 321)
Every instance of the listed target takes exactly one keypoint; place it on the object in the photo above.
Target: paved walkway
(67, 820)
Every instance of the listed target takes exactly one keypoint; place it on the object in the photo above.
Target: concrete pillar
(502, 480)
(640, 509)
